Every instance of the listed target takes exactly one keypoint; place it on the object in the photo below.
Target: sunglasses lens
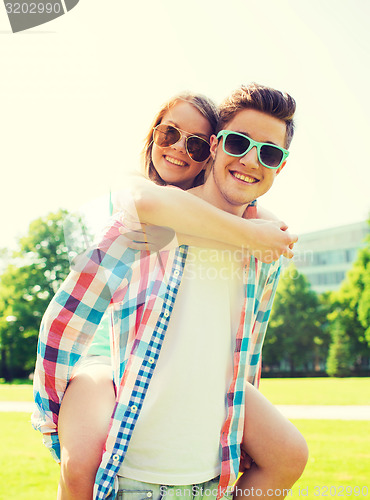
(165, 135)
(271, 156)
(236, 144)
(198, 149)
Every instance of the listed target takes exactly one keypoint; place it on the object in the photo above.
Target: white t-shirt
(176, 439)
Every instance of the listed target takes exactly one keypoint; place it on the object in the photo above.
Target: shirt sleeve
(71, 320)
(251, 211)
(267, 280)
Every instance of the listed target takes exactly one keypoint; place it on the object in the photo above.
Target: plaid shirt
(140, 288)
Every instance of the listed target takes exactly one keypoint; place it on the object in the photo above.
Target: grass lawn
(339, 456)
(317, 391)
(339, 450)
(27, 471)
(18, 392)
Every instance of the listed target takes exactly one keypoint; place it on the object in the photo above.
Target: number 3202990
(340, 491)
(33, 8)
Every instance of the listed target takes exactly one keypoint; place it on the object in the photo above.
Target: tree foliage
(351, 307)
(296, 334)
(339, 360)
(26, 287)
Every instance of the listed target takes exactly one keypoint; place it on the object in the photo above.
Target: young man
(194, 332)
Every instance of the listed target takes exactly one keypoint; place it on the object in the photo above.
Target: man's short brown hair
(265, 99)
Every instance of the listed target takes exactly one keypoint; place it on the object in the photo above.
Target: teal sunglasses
(236, 144)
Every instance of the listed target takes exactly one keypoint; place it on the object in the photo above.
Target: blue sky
(79, 93)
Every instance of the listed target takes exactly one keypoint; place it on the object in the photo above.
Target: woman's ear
(214, 143)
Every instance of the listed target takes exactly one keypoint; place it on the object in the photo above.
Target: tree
(5, 257)
(363, 267)
(26, 287)
(20, 322)
(296, 335)
(351, 308)
(339, 358)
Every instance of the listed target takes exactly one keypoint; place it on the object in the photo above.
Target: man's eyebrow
(265, 142)
(199, 134)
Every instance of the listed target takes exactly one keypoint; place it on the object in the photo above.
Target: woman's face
(173, 163)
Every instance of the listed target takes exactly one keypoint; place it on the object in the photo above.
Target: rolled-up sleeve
(71, 320)
(264, 294)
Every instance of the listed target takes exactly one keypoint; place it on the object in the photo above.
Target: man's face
(238, 181)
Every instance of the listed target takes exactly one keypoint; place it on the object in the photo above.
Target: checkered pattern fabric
(140, 289)
(260, 286)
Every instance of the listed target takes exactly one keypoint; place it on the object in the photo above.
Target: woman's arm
(197, 222)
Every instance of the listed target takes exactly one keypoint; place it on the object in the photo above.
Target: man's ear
(280, 168)
(214, 143)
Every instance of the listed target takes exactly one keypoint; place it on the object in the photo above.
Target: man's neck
(207, 192)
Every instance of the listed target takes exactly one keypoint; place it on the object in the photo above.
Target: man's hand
(271, 240)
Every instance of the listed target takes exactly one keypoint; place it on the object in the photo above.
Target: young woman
(176, 153)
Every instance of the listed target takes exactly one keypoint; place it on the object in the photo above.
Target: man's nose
(250, 158)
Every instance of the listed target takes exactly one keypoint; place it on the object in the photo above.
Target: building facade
(325, 256)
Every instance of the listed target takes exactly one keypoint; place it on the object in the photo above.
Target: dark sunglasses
(235, 144)
(167, 135)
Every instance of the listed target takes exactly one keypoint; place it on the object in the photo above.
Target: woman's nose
(180, 145)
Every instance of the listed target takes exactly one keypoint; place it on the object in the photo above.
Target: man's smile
(244, 177)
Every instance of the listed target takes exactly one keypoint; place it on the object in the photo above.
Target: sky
(78, 95)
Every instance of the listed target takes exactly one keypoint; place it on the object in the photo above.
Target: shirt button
(149, 494)
(176, 273)
(115, 458)
(134, 408)
(166, 314)
(151, 360)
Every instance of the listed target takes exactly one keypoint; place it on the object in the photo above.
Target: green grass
(17, 392)
(27, 471)
(317, 391)
(339, 450)
(339, 456)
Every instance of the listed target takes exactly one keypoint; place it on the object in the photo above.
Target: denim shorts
(129, 489)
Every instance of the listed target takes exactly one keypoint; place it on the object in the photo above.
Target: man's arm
(70, 322)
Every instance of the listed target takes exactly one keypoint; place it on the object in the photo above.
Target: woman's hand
(151, 238)
(245, 461)
(270, 240)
